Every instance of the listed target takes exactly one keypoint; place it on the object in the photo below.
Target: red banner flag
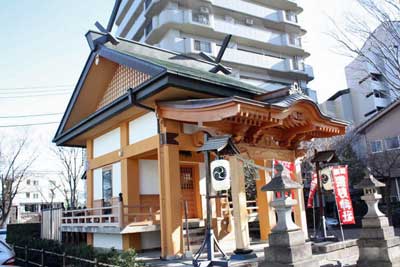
(342, 194)
(313, 190)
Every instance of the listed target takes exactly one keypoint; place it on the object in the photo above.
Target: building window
(28, 182)
(147, 3)
(291, 16)
(392, 143)
(380, 94)
(149, 27)
(35, 195)
(31, 208)
(298, 63)
(202, 46)
(201, 18)
(295, 40)
(27, 195)
(35, 182)
(107, 186)
(376, 146)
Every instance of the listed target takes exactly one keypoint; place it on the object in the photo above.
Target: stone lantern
(287, 246)
(378, 246)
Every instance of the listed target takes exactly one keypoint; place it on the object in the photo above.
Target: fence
(51, 222)
(41, 258)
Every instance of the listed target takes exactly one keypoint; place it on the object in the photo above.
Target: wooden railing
(251, 206)
(117, 216)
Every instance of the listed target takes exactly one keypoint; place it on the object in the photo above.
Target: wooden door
(188, 189)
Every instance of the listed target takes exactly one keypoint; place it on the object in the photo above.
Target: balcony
(251, 9)
(254, 59)
(187, 21)
(252, 33)
(113, 219)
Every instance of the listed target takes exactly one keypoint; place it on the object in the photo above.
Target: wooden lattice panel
(124, 78)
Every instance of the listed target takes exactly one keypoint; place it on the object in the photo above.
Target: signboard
(340, 181)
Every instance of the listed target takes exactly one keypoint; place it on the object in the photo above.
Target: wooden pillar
(89, 175)
(89, 239)
(130, 189)
(266, 214)
(239, 204)
(299, 209)
(170, 192)
(131, 197)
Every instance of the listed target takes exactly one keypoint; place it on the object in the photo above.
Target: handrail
(118, 215)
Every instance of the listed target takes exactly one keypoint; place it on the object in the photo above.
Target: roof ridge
(157, 48)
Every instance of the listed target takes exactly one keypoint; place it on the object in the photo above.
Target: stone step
(194, 231)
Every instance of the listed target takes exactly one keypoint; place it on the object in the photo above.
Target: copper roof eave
(209, 110)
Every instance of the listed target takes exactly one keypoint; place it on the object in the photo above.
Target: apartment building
(265, 50)
(37, 192)
(367, 79)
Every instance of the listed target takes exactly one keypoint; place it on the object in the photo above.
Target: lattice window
(124, 78)
(186, 178)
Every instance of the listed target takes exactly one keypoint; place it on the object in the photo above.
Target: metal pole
(113, 15)
(210, 234)
(187, 226)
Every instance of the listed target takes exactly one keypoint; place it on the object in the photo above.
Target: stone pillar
(378, 246)
(287, 246)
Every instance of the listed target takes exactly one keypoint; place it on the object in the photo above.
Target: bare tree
(380, 47)
(73, 166)
(343, 146)
(14, 166)
(385, 166)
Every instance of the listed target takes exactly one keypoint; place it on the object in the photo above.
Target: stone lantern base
(288, 249)
(378, 245)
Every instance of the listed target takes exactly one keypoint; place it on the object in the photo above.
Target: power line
(32, 115)
(36, 91)
(36, 95)
(30, 124)
(36, 87)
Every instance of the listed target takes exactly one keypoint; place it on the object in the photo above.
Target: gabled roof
(163, 69)
(166, 68)
(361, 129)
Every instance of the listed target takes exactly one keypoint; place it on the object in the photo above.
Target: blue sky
(42, 44)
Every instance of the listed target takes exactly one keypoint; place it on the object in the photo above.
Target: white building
(38, 192)
(368, 91)
(265, 49)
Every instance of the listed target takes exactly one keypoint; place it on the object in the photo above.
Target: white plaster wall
(107, 143)
(202, 188)
(107, 241)
(98, 181)
(116, 179)
(97, 184)
(150, 240)
(142, 127)
(148, 175)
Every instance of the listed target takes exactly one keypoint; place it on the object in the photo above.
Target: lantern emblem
(220, 174)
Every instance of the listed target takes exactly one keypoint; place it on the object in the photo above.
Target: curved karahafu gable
(284, 122)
